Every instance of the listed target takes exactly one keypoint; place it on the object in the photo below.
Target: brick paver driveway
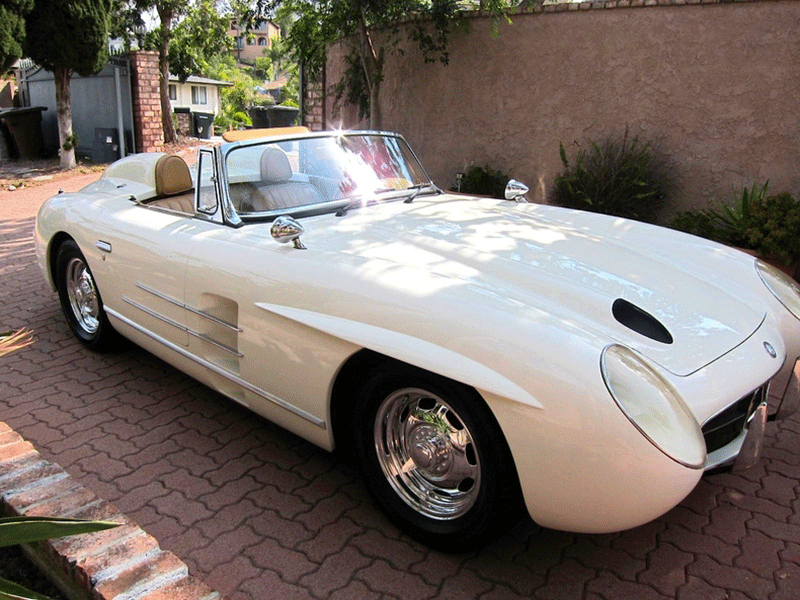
(259, 514)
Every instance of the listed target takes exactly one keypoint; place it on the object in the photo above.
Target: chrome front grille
(721, 429)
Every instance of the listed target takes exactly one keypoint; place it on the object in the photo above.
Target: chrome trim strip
(195, 311)
(220, 371)
(213, 319)
(183, 328)
(213, 342)
(153, 313)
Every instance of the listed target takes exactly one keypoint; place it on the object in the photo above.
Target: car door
(249, 353)
(144, 255)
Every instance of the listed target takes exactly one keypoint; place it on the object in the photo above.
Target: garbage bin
(25, 126)
(259, 117)
(202, 124)
(282, 116)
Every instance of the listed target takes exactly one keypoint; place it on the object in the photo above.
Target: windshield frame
(342, 205)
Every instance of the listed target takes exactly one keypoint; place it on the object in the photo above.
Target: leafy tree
(127, 24)
(66, 38)
(167, 11)
(189, 33)
(236, 98)
(12, 31)
(427, 24)
(201, 34)
(321, 22)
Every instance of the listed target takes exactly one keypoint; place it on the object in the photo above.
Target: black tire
(80, 298)
(434, 458)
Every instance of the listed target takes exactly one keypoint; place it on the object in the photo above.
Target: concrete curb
(123, 563)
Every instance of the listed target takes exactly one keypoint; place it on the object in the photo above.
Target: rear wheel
(80, 299)
(435, 459)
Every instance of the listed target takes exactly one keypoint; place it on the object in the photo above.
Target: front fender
(409, 349)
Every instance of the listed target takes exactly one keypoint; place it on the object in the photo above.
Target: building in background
(252, 44)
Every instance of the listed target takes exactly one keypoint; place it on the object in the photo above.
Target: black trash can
(202, 124)
(282, 116)
(259, 117)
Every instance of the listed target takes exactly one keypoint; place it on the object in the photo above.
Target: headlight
(653, 406)
(783, 287)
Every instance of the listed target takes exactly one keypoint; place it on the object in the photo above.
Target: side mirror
(286, 229)
(516, 190)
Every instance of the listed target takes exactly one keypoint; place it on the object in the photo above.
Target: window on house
(198, 94)
(262, 41)
(250, 41)
(239, 42)
(173, 91)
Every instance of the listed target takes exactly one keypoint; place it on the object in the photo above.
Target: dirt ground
(23, 173)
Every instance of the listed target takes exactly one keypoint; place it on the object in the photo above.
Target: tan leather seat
(276, 190)
(174, 188)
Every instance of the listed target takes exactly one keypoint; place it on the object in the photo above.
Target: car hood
(571, 265)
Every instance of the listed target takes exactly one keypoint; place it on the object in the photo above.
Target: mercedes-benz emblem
(770, 350)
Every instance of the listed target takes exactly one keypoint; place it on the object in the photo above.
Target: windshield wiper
(418, 188)
(414, 189)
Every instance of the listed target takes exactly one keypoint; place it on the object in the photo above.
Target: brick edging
(123, 563)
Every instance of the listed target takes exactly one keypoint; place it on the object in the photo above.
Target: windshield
(317, 174)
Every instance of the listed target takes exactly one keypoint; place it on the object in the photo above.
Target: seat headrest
(275, 167)
(172, 176)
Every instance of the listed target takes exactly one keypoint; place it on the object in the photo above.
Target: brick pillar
(314, 104)
(184, 123)
(146, 102)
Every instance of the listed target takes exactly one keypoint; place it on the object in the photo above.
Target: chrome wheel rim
(82, 295)
(427, 454)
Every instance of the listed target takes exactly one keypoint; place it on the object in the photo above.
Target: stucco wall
(715, 86)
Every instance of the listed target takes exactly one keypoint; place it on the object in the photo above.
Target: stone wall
(148, 133)
(714, 85)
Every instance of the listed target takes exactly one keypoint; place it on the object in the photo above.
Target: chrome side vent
(640, 321)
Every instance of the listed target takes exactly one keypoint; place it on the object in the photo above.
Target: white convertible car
(475, 356)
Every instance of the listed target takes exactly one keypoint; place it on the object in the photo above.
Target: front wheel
(80, 299)
(435, 459)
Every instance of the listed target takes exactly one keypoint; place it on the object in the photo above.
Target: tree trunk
(375, 114)
(372, 62)
(167, 124)
(66, 140)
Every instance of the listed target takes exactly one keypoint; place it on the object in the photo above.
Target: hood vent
(633, 317)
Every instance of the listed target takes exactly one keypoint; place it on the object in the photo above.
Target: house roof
(201, 80)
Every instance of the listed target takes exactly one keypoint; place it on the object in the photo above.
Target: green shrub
(773, 228)
(484, 181)
(696, 222)
(767, 225)
(726, 223)
(623, 177)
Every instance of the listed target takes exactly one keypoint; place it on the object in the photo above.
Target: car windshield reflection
(321, 174)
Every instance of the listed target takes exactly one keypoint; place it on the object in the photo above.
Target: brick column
(314, 104)
(146, 102)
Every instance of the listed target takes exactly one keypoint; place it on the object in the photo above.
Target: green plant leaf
(620, 176)
(22, 530)
(12, 591)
